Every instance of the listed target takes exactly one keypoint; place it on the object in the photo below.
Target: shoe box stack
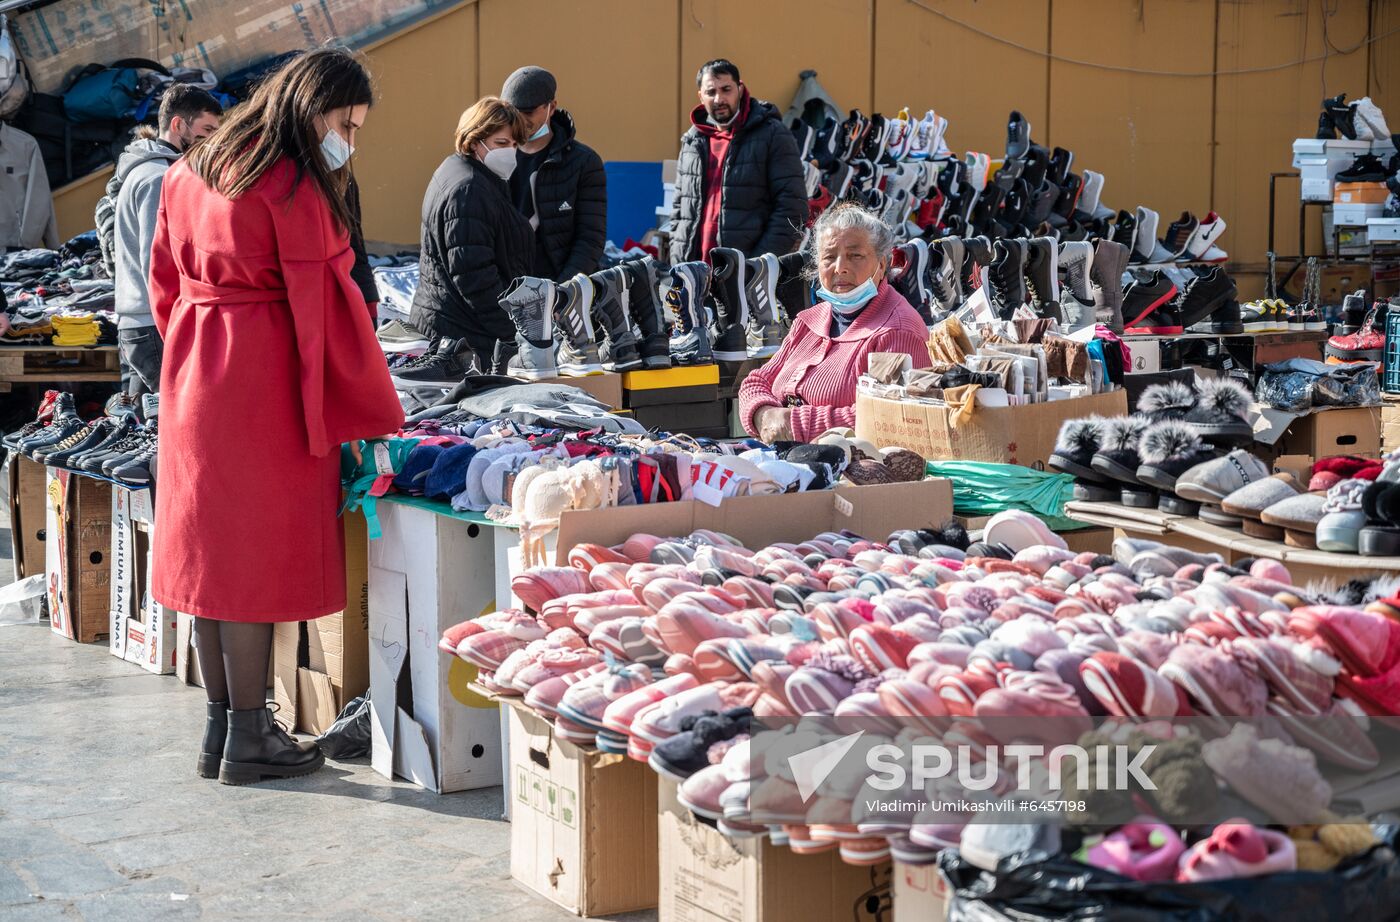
(680, 400)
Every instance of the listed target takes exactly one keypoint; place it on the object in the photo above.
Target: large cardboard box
(1338, 431)
(142, 630)
(78, 554)
(708, 877)
(1022, 435)
(318, 666)
(757, 521)
(427, 573)
(583, 823)
(28, 516)
(920, 893)
(1390, 425)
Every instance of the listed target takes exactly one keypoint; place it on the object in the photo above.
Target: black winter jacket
(571, 205)
(764, 192)
(474, 244)
(362, 273)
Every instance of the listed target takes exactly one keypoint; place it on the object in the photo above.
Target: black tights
(233, 658)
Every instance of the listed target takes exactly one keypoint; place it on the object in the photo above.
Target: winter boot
(257, 748)
(729, 281)
(690, 286)
(764, 328)
(530, 302)
(573, 314)
(611, 297)
(644, 300)
(1106, 283)
(215, 734)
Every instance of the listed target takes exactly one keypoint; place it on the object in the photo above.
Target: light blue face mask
(335, 149)
(852, 301)
(539, 132)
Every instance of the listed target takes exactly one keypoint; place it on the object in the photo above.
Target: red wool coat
(270, 364)
(822, 369)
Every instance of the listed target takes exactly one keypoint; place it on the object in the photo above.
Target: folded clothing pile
(76, 329)
(674, 650)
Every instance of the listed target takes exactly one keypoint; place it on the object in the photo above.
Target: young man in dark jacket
(739, 180)
(558, 184)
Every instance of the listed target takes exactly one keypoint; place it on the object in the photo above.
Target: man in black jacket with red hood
(739, 179)
(558, 184)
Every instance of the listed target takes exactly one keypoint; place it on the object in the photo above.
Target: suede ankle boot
(215, 731)
(258, 748)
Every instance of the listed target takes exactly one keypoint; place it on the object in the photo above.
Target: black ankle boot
(258, 748)
(215, 732)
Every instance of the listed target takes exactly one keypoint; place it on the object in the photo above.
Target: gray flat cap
(528, 87)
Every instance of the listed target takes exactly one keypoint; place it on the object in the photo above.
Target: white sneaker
(1146, 244)
(1370, 113)
(922, 144)
(939, 148)
(1209, 231)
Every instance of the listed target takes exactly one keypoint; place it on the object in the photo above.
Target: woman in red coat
(271, 363)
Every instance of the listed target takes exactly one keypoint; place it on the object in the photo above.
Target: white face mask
(335, 150)
(501, 161)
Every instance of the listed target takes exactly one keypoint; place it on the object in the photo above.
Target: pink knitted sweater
(822, 370)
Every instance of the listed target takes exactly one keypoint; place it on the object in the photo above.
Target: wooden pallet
(53, 364)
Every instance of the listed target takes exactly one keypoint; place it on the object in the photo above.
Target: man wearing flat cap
(558, 183)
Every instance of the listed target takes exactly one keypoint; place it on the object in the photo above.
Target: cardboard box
(319, 666)
(1390, 426)
(28, 515)
(1337, 431)
(142, 630)
(583, 830)
(757, 521)
(1008, 435)
(1146, 353)
(684, 417)
(666, 386)
(427, 573)
(78, 554)
(1359, 193)
(920, 893)
(606, 388)
(708, 877)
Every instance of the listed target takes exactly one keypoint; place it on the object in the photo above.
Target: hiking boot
(1365, 345)
(397, 336)
(257, 747)
(644, 300)
(763, 331)
(690, 286)
(574, 304)
(1147, 306)
(1225, 320)
(910, 262)
(1106, 283)
(1042, 274)
(729, 283)
(1006, 279)
(1205, 294)
(444, 368)
(531, 304)
(611, 294)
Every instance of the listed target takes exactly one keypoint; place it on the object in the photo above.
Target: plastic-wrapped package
(1297, 385)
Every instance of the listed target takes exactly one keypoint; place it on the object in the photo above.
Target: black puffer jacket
(571, 205)
(764, 193)
(474, 244)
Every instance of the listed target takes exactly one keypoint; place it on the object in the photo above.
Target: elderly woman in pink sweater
(809, 386)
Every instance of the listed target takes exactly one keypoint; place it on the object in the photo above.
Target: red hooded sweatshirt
(713, 186)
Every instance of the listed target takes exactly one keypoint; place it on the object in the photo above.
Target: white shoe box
(1356, 214)
(1384, 230)
(1320, 160)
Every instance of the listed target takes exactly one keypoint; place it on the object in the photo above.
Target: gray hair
(850, 216)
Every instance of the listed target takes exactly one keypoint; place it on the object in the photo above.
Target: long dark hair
(279, 120)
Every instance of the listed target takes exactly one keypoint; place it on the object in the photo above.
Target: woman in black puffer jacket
(474, 244)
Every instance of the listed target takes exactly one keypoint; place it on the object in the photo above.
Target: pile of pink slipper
(665, 648)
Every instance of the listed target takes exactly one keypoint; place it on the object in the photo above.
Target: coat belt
(193, 291)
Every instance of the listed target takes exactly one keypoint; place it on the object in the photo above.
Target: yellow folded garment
(76, 330)
(74, 340)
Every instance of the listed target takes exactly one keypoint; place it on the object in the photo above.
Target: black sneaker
(1312, 318)
(1006, 282)
(1225, 320)
(1179, 233)
(1124, 230)
(138, 469)
(92, 461)
(1018, 136)
(436, 369)
(61, 428)
(1341, 115)
(1205, 294)
(1257, 317)
(96, 432)
(1147, 305)
(123, 424)
(1365, 168)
